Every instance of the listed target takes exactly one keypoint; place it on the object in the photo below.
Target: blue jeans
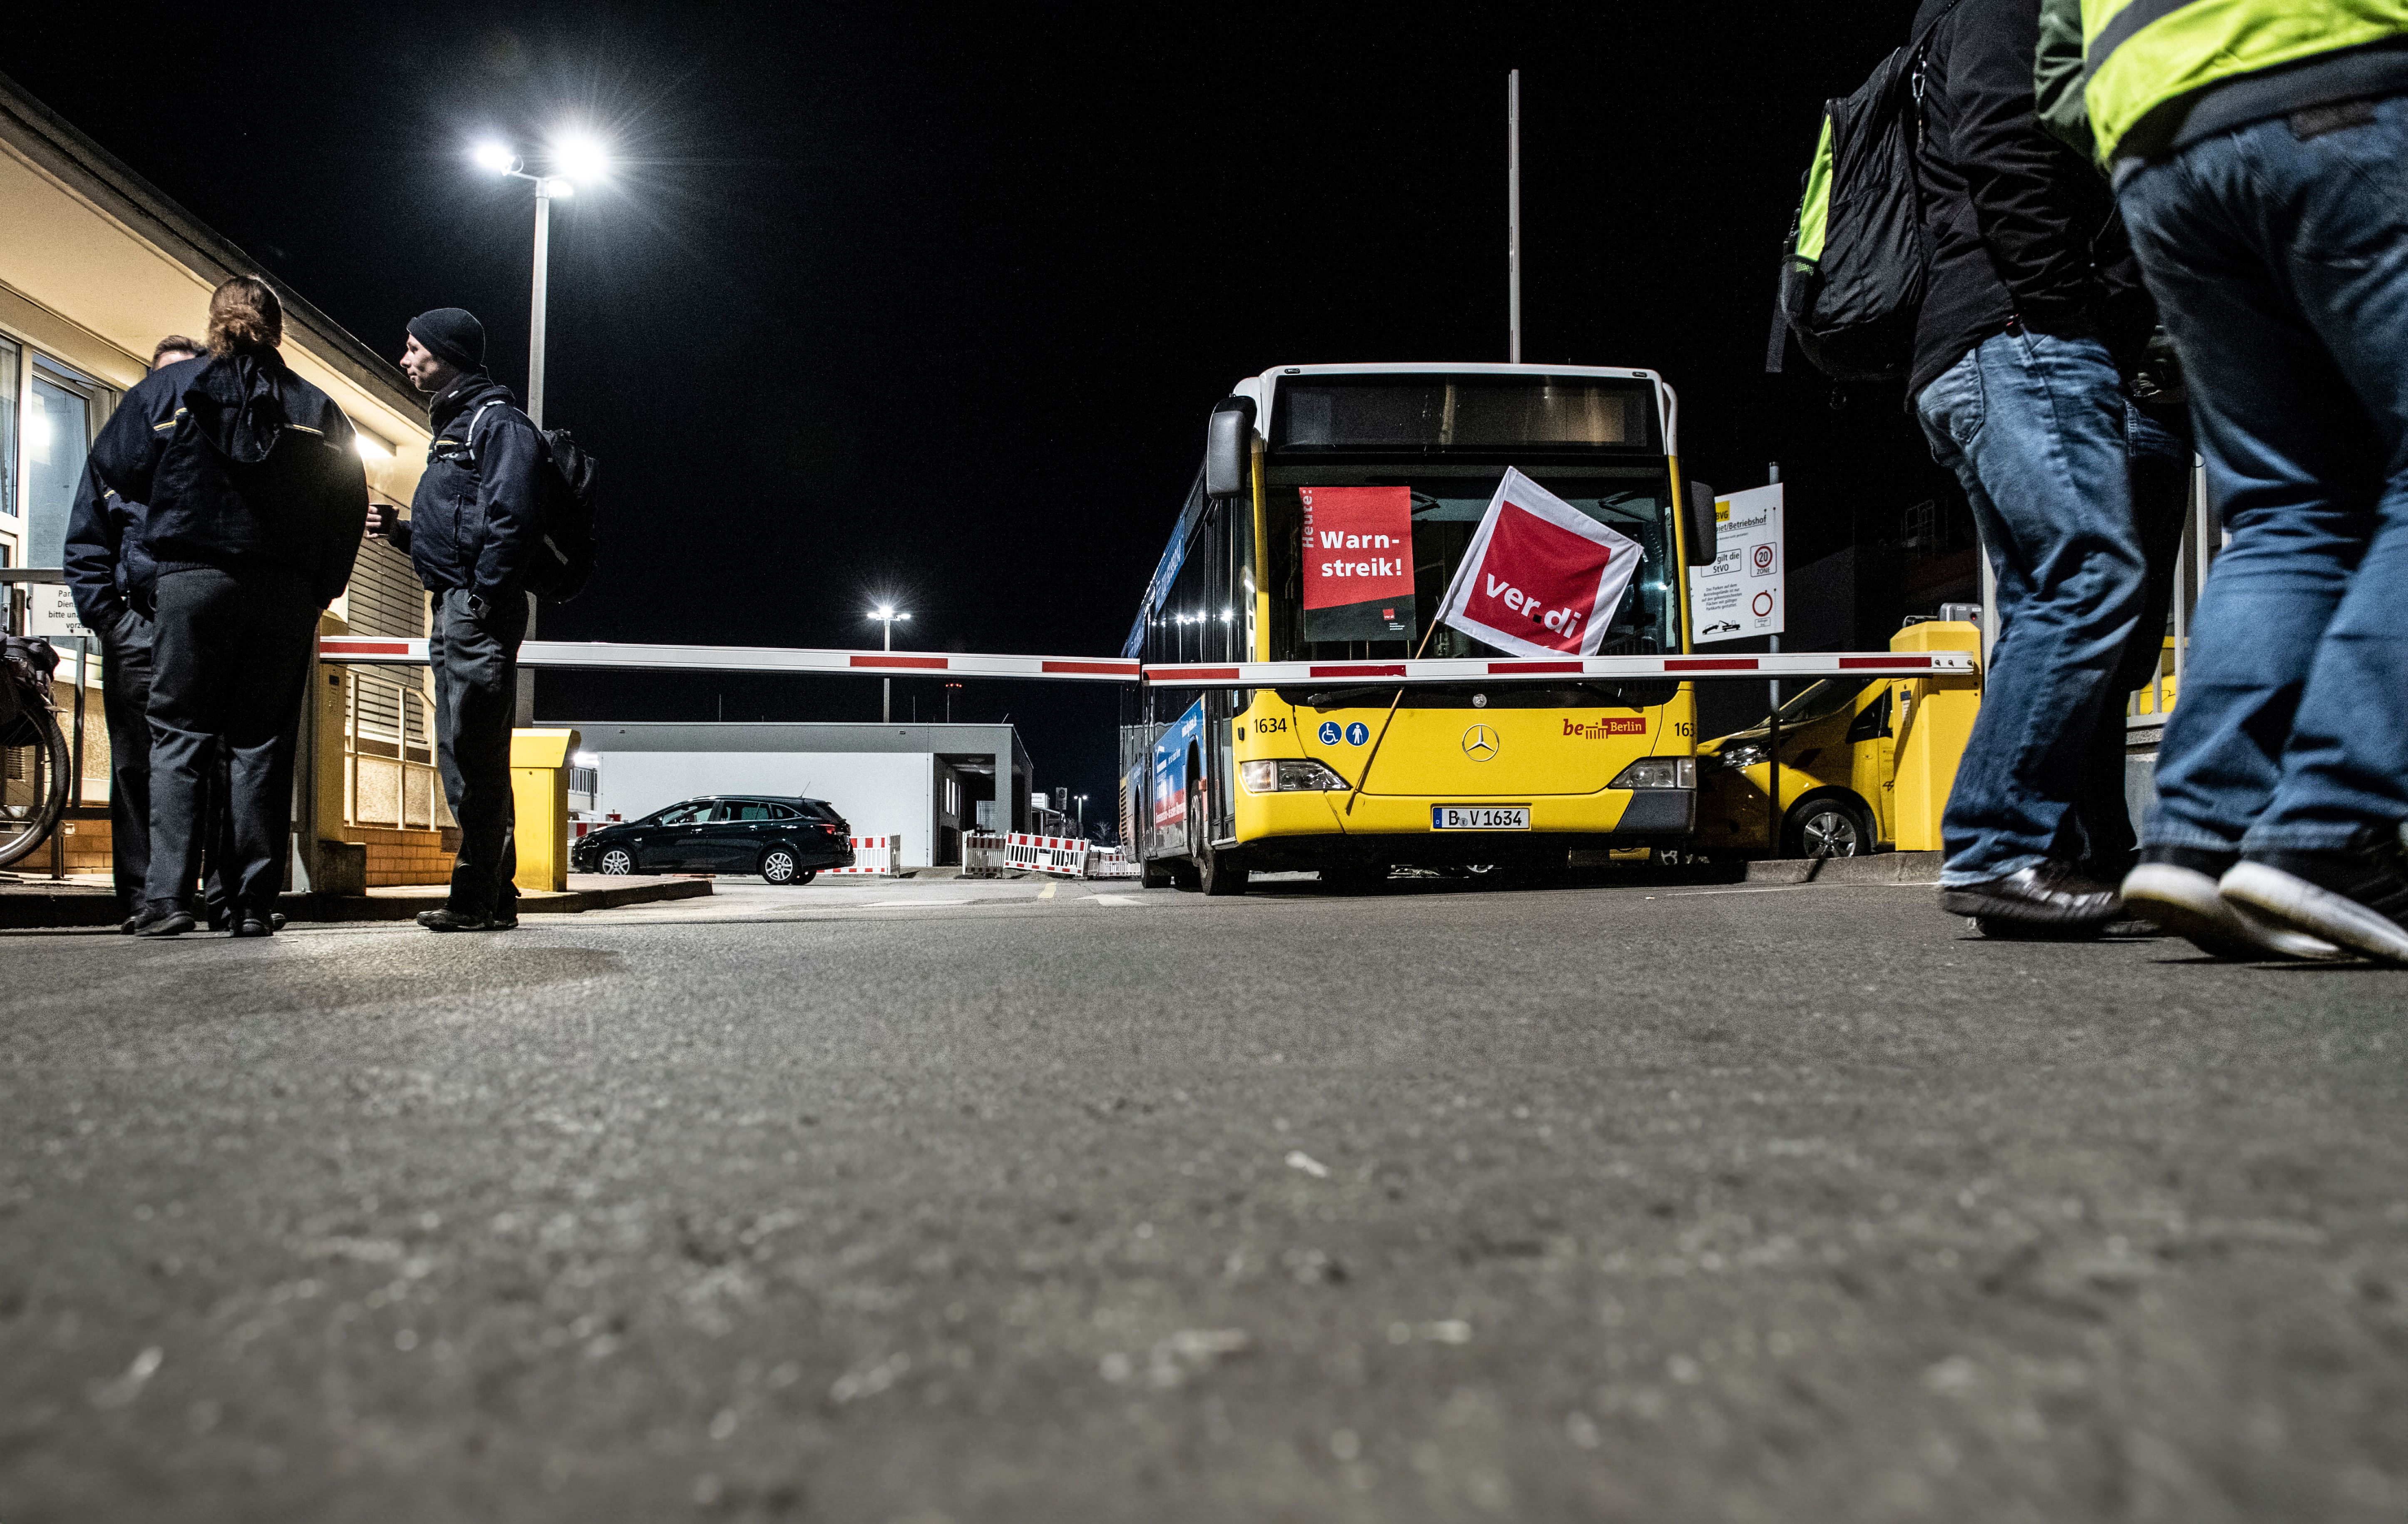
(2281, 267)
(2038, 430)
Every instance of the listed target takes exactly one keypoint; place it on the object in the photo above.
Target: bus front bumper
(1303, 829)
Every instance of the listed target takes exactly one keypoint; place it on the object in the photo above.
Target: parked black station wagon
(785, 840)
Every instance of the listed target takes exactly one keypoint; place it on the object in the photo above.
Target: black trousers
(475, 665)
(230, 658)
(126, 701)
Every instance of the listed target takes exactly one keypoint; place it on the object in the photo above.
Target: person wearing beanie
(251, 496)
(473, 525)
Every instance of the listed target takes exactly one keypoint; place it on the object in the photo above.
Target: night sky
(932, 304)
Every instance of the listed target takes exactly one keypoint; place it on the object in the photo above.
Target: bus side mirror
(1699, 499)
(1228, 447)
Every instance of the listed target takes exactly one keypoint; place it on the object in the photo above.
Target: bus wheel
(1827, 827)
(1218, 875)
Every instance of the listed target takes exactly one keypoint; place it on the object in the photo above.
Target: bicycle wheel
(34, 782)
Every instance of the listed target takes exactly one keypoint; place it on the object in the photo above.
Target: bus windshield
(1635, 501)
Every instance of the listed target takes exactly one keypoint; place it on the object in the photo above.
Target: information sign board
(1742, 594)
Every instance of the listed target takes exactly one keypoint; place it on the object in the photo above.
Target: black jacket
(236, 464)
(476, 514)
(2022, 230)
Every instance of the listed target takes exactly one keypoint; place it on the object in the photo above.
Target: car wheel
(1827, 827)
(778, 866)
(617, 860)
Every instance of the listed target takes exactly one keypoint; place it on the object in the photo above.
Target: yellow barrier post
(539, 792)
(1934, 718)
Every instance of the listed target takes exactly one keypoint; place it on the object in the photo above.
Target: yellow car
(1865, 763)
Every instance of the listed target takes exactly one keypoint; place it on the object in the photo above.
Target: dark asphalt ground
(1598, 1203)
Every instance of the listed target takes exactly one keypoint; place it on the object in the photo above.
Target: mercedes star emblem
(1480, 743)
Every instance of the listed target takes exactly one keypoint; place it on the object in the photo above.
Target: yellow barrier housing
(539, 794)
(1934, 720)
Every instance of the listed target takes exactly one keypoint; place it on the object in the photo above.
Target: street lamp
(576, 155)
(1081, 800)
(884, 613)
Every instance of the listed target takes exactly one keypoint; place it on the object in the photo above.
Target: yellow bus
(1285, 753)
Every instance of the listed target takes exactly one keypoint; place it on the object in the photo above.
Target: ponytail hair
(245, 317)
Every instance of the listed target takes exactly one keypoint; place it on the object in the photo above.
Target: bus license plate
(1480, 817)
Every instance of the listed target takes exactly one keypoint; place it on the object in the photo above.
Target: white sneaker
(2182, 900)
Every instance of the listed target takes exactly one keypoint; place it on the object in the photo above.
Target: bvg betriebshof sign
(1741, 593)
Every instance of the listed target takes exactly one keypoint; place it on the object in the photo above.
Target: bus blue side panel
(1168, 795)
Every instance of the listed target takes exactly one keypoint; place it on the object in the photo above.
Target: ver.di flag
(1542, 577)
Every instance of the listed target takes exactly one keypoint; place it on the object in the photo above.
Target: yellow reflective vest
(2138, 55)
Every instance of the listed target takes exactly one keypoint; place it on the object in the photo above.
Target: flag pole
(1374, 756)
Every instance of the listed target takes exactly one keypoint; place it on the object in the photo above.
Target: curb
(20, 911)
(1881, 868)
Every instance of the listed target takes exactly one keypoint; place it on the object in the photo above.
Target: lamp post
(579, 156)
(1081, 800)
(884, 613)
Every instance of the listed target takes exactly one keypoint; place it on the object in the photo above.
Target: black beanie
(451, 334)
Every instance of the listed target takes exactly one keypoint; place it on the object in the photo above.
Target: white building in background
(926, 784)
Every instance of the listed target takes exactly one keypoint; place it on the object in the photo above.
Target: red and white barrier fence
(386, 650)
(871, 855)
(1062, 854)
(1110, 863)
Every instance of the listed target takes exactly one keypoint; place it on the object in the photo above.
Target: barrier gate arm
(388, 651)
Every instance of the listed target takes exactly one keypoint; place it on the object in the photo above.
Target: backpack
(1854, 271)
(564, 494)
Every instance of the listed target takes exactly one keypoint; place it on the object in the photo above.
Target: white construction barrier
(1062, 854)
(983, 854)
(1110, 863)
(871, 855)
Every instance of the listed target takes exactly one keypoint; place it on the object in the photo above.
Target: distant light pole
(579, 156)
(1081, 800)
(884, 613)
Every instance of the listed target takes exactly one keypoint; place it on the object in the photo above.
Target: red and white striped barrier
(387, 651)
(1062, 854)
(392, 651)
(871, 855)
(1385, 674)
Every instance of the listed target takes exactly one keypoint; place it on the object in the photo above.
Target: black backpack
(564, 562)
(1854, 271)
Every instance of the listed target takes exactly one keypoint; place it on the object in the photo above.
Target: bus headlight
(1287, 775)
(1658, 772)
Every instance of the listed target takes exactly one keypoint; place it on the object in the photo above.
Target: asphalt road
(950, 1201)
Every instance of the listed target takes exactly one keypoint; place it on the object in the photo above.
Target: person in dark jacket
(113, 583)
(2034, 319)
(473, 524)
(253, 496)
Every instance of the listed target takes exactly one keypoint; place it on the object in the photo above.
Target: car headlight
(1287, 775)
(1658, 772)
(1744, 757)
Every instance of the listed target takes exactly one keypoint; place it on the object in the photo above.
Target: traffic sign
(1743, 593)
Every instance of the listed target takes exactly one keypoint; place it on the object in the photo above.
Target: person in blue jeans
(2278, 250)
(2032, 323)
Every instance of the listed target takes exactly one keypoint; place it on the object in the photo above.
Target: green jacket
(2151, 66)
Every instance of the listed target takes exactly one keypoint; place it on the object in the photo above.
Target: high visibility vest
(2139, 54)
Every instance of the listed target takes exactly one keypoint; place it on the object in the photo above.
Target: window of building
(49, 414)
